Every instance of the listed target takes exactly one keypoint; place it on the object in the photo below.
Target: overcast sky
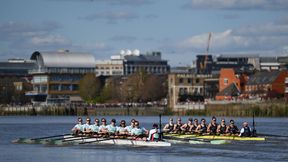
(177, 28)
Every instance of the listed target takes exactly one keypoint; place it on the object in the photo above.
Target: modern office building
(269, 63)
(57, 74)
(128, 62)
(240, 63)
(150, 62)
(113, 67)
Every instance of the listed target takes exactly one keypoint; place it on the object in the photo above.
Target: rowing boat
(215, 137)
(113, 141)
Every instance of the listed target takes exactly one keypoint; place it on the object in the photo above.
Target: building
(186, 90)
(128, 62)
(14, 79)
(57, 74)
(109, 68)
(229, 84)
(204, 64)
(266, 84)
(269, 63)
(240, 63)
(152, 63)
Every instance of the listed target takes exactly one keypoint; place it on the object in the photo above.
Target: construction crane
(204, 64)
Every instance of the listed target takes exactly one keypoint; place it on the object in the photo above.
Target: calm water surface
(273, 149)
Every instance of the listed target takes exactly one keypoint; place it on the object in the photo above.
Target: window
(197, 80)
(225, 81)
(189, 80)
(181, 80)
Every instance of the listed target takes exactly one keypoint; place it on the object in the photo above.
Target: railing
(190, 106)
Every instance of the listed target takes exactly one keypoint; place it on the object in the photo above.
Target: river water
(11, 127)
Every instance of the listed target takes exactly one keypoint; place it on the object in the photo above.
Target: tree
(155, 88)
(89, 87)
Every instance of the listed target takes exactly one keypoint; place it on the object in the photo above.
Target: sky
(177, 28)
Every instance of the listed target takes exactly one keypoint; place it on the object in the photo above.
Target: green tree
(89, 87)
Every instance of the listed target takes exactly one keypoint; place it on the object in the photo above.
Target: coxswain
(202, 127)
(232, 129)
(187, 127)
(139, 133)
(103, 130)
(177, 126)
(78, 128)
(168, 128)
(221, 129)
(245, 130)
(212, 126)
(154, 133)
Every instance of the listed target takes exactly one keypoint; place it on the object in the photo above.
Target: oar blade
(220, 142)
(18, 140)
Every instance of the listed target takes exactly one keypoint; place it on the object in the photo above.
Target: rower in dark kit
(232, 129)
(187, 127)
(177, 126)
(168, 128)
(221, 129)
(202, 128)
(212, 127)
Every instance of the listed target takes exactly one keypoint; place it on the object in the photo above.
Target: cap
(113, 120)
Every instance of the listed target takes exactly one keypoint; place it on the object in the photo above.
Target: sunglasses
(103, 121)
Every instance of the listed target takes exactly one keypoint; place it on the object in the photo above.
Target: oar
(197, 141)
(66, 141)
(35, 140)
(96, 140)
(52, 141)
(160, 127)
(253, 130)
(272, 135)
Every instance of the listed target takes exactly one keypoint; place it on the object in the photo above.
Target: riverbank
(263, 109)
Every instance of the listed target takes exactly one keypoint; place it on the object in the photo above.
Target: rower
(154, 133)
(103, 127)
(168, 128)
(177, 126)
(245, 130)
(139, 132)
(232, 129)
(95, 127)
(195, 125)
(202, 128)
(121, 130)
(78, 128)
(86, 126)
(130, 127)
(212, 127)
(221, 129)
(187, 127)
(112, 127)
